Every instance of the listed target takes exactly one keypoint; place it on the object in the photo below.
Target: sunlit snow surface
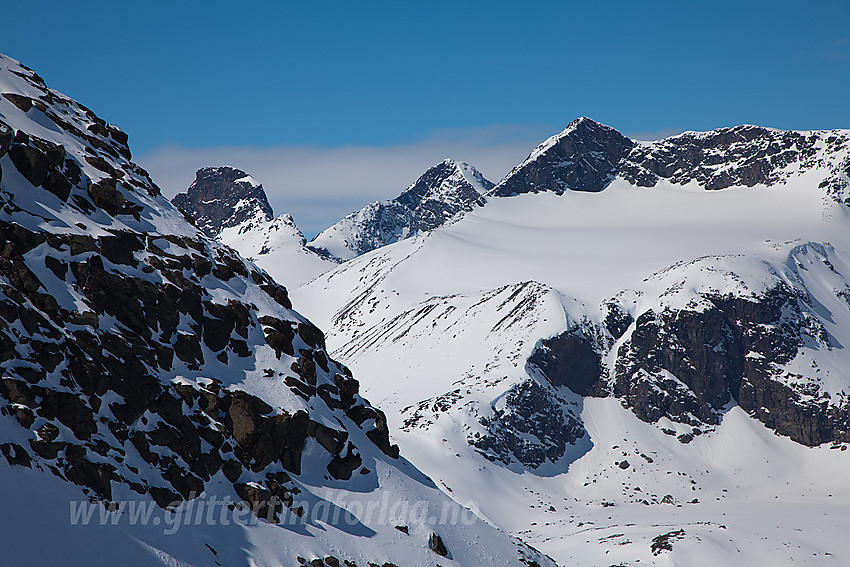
(278, 247)
(440, 327)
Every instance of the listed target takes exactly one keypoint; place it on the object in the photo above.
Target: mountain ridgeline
(624, 334)
(223, 198)
(739, 341)
(587, 156)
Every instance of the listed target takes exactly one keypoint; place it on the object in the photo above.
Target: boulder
(435, 544)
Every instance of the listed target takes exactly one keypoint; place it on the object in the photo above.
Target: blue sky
(391, 85)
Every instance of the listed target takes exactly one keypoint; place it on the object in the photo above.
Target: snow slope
(277, 246)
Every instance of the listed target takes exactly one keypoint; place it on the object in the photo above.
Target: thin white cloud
(837, 50)
(318, 186)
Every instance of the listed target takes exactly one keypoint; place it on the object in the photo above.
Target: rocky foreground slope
(143, 362)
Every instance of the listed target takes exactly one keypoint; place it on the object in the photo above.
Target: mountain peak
(582, 126)
(449, 180)
(582, 157)
(584, 121)
(223, 197)
(209, 173)
(439, 195)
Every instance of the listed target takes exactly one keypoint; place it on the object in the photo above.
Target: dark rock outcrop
(535, 426)
(689, 364)
(435, 543)
(584, 157)
(755, 156)
(570, 359)
(221, 197)
(441, 193)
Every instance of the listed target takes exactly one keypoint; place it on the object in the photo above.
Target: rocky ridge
(439, 195)
(587, 156)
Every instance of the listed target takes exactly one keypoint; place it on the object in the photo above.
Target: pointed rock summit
(436, 198)
(224, 197)
(584, 157)
(441, 192)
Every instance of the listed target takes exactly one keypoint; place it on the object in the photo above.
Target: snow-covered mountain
(231, 206)
(163, 388)
(640, 347)
(440, 195)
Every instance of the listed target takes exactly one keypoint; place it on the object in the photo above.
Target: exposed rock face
(688, 365)
(571, 359)
(587, 156)
(438, 196)
(108, 339)
(441, 192)
(534, 427)
(751, 155)
(700, 350)
(617, 320)
(584, 157)
(701, 355)
(837, 185)
(222, 197)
